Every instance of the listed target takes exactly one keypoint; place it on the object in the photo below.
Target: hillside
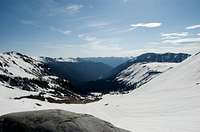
(134, 73)
(147, 58)
(18, 71)
(141, 73)
(169, 103)
(77, 70)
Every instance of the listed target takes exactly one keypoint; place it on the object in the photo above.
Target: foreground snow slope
(168, 103)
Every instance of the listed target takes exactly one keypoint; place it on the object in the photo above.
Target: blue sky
(71, 28)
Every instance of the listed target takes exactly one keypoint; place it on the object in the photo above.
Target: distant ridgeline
(18, 71)
(134, 73)
(77, 70)
(72, 77)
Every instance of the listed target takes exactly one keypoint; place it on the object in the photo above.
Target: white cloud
(191, 49)
(87, 37)
(193, 27)
(74, 8)
(105, 50)
(95, 48)
(198, 34)
(183, 41)
(65, 32)
(57, 9)
(146, 25)
(174, 35)
(98, 24)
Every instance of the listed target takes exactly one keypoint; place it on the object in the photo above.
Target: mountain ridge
(135, 72)
(18, 71)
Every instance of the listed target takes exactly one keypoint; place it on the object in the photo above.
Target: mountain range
(58, 77)
(167, 102)
(18, 71)
(135, 72)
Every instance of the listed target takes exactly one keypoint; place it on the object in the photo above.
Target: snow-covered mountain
(111, 61)
(168, 103)
(140, 73)
(143, 68)
(135, 72)
(18, 71)
(148, 58)
(14, 64)
(60, 59)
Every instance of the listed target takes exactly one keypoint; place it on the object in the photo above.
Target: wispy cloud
(87, 37)
(174, 35)
(146, 25)
(54, 8)
(31, 23)
(177, 42)
(100, 24)
(113, 49)
(140, 25)
(191, 49)
(91, 46)
(193, 27)
(27, 22)
(179, 38)
(94, 46)
(183, 41)
(198, 34)
(74, 8)
(65, 32)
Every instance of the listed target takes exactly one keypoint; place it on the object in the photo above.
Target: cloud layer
(174, 35)
(74, 8)
(193, 27)
(146, 25)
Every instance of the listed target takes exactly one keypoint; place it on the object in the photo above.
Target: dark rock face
(54, 121)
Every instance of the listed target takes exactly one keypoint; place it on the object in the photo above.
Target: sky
(90, 28)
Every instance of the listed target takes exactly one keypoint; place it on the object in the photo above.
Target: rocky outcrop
(54, 121)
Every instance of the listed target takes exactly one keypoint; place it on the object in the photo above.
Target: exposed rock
(54, 121)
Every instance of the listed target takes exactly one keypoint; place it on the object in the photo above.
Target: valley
(156, 101)
(99, 66)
